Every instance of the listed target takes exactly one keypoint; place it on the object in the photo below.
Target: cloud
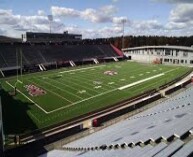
(108, 9)
(182, 13)
(181, 17)
(147, 25)
(2, 31)
(62, 11)
(175, 1)
(95, 16)
(13, 24)
(41, 13)
(105, 19)
(101, 15)
(114, 1)
(5, 12)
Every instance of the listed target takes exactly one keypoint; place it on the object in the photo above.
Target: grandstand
(163, 130)
(52, 54)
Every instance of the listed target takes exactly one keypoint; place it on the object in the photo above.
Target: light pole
(50, 18)
(123, 29)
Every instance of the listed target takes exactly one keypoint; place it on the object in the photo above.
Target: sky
(97, 18)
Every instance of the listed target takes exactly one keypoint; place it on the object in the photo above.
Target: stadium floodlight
(123, 21)
(50, 18)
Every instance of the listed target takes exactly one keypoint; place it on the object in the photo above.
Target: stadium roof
(161, 47)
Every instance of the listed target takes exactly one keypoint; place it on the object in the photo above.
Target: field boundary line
(140, 81)
(28, 98)
(82, 69)
(144, 80)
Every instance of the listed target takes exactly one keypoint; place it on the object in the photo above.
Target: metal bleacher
(40, 54)
(163, 130)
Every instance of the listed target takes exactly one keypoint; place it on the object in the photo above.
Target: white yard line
(28, 98)
(82, 69)
(58, 95)
(144, 80)
(132, 84)
(82, 101)
(60, 88)
(120, 88)
(82, 86)
(140, 81)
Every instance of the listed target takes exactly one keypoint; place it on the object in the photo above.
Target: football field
(50, 97)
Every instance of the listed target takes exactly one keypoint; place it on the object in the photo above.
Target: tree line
(135, 41)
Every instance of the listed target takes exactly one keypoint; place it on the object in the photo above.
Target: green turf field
(71, 92)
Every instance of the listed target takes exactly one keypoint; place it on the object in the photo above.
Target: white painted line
(61, 88)
(58, 95)
(111, 82)
(20, 81)
(140, 81)
(82, 69)
(28, 98)
(96, 87)
(83, 100)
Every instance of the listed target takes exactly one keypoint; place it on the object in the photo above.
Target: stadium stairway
(2, 74)
(115, 59)
(72, 63)
(95, 61)
(166, 129)
(176, 148)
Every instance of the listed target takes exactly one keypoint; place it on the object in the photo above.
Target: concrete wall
(167, 56)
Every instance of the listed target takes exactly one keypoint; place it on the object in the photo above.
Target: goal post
(19, 64)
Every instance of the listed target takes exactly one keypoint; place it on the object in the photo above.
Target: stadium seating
(44, 54)
(160, 129)
(8, 55)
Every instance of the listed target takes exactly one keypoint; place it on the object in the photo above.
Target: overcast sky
(98, 18)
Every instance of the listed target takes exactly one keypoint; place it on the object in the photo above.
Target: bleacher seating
(161, 131)
(44, 54)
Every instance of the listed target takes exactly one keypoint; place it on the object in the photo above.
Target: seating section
(164, 126)
(40, 54)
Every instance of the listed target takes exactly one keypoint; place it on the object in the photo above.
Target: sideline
(82, 69)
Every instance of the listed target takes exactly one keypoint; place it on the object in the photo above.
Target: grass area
(74, 91)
